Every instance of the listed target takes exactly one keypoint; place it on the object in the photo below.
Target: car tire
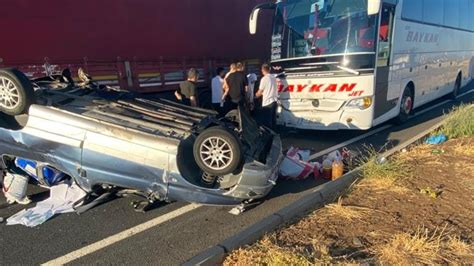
(16, 92)
(406, 106)
(217, 151)
(457, 88)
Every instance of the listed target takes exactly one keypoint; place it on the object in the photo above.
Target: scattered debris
(14, 188)
(296, 165)
(436, 139)
(44, 174)
(434, 193)
(62, 199)
(381, 160)
(438, 151)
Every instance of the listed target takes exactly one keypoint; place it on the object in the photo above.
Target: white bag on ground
(14, 188)
(61, 200)
(296, 167)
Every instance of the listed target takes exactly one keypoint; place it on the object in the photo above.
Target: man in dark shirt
(236, 87)
(186, 92)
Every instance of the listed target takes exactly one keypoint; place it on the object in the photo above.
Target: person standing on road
(187, 93)
(236, 88)
(252, 79)
(269, 93)
(218, 89)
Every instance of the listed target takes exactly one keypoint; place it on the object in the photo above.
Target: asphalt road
(173, 241)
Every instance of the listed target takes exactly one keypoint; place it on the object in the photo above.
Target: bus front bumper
(354, 119)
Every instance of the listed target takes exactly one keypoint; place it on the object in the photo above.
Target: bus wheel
(457, 88)
(406, 106)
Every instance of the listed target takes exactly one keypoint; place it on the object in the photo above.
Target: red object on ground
(143, 45)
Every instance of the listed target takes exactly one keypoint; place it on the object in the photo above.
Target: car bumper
(257, 179)
(326, 120)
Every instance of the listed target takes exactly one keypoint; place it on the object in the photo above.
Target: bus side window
(385, 32)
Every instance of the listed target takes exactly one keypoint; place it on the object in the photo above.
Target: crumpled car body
(138, 144)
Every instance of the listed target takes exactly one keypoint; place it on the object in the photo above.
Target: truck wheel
(457, 88)
(406, 106)
(217, 151)
(16, 92)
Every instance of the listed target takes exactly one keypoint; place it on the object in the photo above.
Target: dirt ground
(418, 210)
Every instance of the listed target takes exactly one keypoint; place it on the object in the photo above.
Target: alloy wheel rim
(407, 105)
(9, 94)
(216, 153)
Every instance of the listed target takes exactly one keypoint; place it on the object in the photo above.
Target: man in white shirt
(218, 89)
(269, 93)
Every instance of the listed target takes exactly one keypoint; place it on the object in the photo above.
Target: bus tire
(16, 92)
(406, 106)
(457, 88)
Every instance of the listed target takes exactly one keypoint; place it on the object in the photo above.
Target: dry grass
(408, 249)
(458, 251)
(424, 247)
(385, 175)
(465, 148)
(459, 123)
(266, 252)
(346, 212)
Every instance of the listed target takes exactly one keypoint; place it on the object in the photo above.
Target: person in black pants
(236, 85)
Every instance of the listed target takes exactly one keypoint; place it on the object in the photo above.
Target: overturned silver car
(160, 149)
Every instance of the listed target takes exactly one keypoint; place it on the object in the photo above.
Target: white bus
(354, 64)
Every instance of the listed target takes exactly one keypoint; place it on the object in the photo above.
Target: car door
(49, 136)
(123, 158)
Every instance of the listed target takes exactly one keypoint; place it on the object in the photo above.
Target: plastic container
(14, 188)
(43, 173)
(337, 169)
(327, 169)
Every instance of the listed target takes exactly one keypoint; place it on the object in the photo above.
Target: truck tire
(16, 92)
(406, 106)
(457, 88)
(217, 151)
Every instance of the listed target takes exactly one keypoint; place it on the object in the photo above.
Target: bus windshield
(304, 28)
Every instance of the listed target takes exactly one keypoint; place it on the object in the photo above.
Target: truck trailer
(137, 45)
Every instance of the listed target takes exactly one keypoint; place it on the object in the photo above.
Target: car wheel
(217, 151)
(406, 106)
(16, 92)
(457, 88)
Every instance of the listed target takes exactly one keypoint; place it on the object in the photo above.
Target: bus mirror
(254, 16)
(373, 7)
(253, 21)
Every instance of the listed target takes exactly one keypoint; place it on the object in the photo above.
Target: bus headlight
(361, 103)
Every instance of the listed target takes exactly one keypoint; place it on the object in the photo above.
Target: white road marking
(120, 236)
(466, 93)
(418, 113)
(348, 142)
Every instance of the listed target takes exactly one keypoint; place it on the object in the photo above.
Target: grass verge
(459, 123)
(386, 219)
(382, 174)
